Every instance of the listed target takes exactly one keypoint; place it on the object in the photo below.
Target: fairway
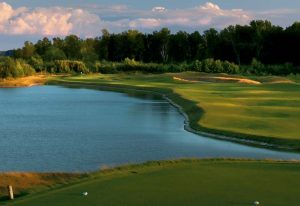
(268, 112)
(186, 182)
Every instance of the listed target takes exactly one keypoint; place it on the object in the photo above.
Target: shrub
(131, 62)
(257, 67)
(27, 68)
(230, 68)
(68, 66)
(37, 63)
(207, 65)
(107, 68)
(50, 67)
(196, 66)
(11, 68)
(217, 66)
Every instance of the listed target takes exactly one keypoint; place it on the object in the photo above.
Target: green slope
(265, 112)
(189, 182)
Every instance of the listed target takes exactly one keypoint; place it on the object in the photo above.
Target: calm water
(53, 128)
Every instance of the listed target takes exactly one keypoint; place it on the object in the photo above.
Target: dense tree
(260, 30)
(88, 50)
(42, 46)
(72, 47)
(26, 52)
(196, 46)
(54, 53)
(179, 49)
(101, 45)
(293, 43)
(211, 42)
(160, 45)
(258, 44)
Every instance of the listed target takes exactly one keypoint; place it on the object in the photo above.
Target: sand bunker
(219, 79)
(239, 80)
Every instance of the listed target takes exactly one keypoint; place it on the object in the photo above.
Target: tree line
(260, 48)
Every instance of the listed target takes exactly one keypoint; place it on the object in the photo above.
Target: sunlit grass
(264, 110)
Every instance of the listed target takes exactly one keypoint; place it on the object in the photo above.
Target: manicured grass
(265, 112)
(187, 182)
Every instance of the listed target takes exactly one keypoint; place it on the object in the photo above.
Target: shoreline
(36, 184)
(187, 122)
(188, 128)
(21, 86)
(24, 82)
(211, 133)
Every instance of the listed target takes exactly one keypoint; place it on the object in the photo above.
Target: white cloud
(159, 9)
(47, 21)
(145, 23)
(197, 18)
(89, 20)
(210, 6)
(6, 12)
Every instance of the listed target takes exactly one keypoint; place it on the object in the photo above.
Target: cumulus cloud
(197, 18)
(210, 6)
(46, 21)
(90, 19)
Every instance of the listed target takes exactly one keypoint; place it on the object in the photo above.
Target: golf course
(257, 111)
(183, 182)
(149, 103)
(262, 109)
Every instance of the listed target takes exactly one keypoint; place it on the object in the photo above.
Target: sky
(22, 20)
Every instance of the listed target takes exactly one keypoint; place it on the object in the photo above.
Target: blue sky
(22, 20)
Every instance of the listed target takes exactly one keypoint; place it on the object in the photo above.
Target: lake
(52, 128)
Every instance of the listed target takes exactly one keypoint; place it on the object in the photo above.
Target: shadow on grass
(5, 198)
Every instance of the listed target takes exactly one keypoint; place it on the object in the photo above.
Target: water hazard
(51, 128)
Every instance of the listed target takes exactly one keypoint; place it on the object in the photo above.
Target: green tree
(72, 47)
(260, 30)
(54, 53)
(88, 51)
(42, 46)
(196, 44)
(211, 40)
(179, 47)
(28, 50)
(102, 45)
(37, 63)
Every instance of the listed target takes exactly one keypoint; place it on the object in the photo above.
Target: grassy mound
(26, 183)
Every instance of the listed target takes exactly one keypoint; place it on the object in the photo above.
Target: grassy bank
(26, 183)
(24, 81)
(263, 109)
(186, 182)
